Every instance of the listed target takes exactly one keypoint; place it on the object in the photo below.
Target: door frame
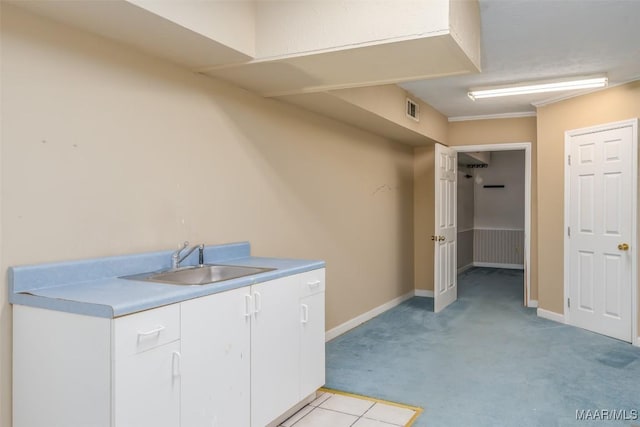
(516, 146)
(635, 340)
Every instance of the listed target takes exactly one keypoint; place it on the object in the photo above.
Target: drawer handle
(304, 313)
(315, 284)
(151, 332)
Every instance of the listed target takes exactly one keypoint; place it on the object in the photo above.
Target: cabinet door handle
(304, 313)
(153, 331)
(247, 305)
(258, 302)
(314, 284)
(176, 357)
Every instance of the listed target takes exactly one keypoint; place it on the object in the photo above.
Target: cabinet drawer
(146, 330)
(311, 282)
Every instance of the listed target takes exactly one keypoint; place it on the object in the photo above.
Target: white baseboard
(465, 268)
(424, 293)
(637, 343)
(358, 320)
(533, 303)
(498, 265)
(551, 315)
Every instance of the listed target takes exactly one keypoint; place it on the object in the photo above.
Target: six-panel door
(600, 220)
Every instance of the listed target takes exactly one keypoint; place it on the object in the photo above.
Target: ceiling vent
(413, 110)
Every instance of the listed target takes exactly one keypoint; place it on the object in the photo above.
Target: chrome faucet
(176, 259)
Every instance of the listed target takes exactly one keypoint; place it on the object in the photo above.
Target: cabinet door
(146, 368)
(312, 356)
(216, 360)
(147, 388)
(61, 369)
(275, 348)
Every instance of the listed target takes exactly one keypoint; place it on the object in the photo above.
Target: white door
(600, 231)
(312, 354)
(445, 272)
(216, 366)
(275, 349)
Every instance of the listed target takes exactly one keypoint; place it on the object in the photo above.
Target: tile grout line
(375, 419)
(340, 412)
(373, 402)
(361, 416)
(313, 408)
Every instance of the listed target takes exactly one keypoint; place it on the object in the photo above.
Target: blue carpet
(487, 361)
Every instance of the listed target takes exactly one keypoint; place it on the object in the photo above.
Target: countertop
(93, 287)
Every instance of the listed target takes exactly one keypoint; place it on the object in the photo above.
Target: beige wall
(610, 105)
(494, 131)
(423, 216)
(106, 152)
(389, 102)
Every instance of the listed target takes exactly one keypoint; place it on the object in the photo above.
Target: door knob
(441, 238)
(623, 247)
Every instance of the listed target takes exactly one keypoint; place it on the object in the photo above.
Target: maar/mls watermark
(607, 414)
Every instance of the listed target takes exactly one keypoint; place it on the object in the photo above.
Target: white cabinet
(275, 361)
(61, 369)
(216, 360)
(250, 354)
(146, 374)
(312, 355)
(287, 344)
(77, 371)
(238, 358)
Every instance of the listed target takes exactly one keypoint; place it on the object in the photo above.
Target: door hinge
(568, 302)
(569, 159)
(569, 231)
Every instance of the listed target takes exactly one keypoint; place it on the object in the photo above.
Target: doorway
(516, 237)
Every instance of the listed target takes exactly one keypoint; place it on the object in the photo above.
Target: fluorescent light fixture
(526, 88)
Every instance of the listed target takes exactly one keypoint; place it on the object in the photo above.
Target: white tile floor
(337, 410)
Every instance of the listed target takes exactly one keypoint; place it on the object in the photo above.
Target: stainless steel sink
(199, 275)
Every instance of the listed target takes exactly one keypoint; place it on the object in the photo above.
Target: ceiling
(530, 40)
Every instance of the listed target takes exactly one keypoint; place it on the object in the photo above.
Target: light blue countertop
(93, 287)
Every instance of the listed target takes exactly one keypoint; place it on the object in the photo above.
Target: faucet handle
(175, 256)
